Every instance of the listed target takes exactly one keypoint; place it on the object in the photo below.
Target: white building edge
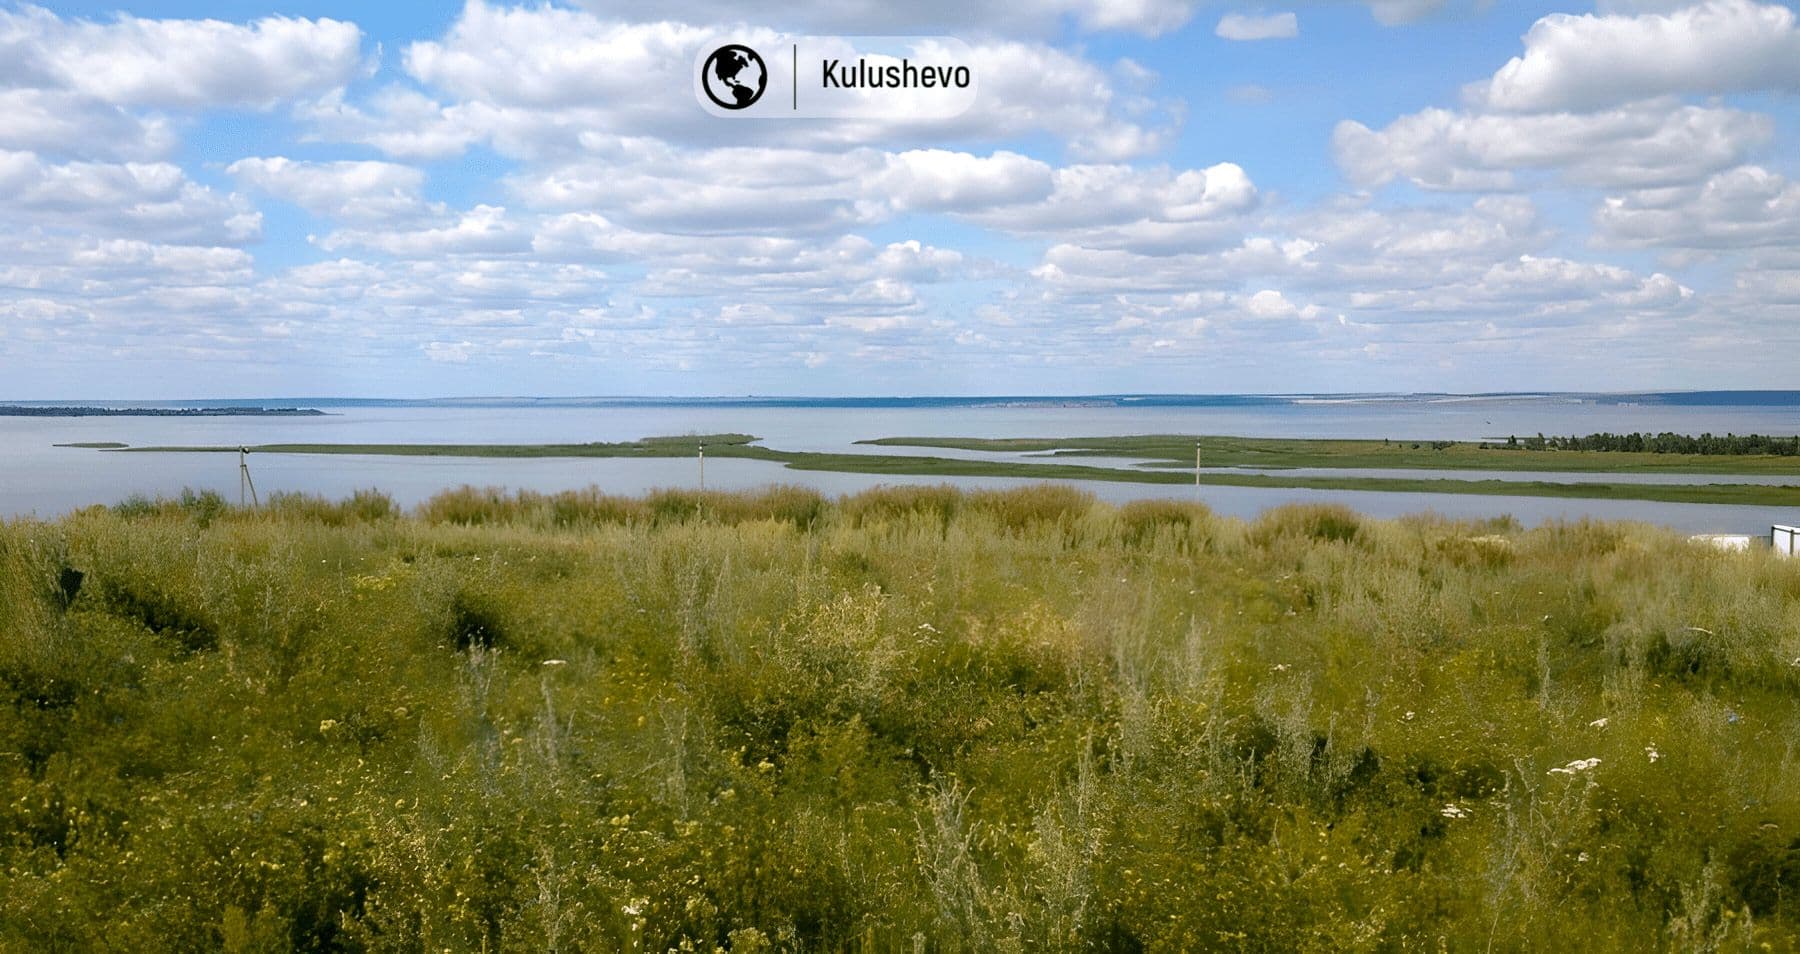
(1783, 539)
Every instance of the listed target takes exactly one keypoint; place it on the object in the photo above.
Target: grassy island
(1164, 457)
(1177, 451)
(909, 719)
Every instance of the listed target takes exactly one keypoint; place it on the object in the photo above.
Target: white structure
(1725, 541)
(1785, 540)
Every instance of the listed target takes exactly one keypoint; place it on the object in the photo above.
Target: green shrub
(907, 718)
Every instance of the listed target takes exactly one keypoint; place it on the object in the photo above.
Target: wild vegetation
(1711, 445)
(1595, 453)
(912, 719)
(1164, 457)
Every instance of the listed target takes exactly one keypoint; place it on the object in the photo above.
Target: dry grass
(989, 721)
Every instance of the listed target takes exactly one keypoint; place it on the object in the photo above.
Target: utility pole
(244, 477)
(1196, 465)
(702, 468)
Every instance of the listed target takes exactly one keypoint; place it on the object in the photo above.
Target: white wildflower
(1579, 765)
(556, 662)
(1454, 810)
(1408, 717)
(1279, 667)
(1650, 750)
(1599, 723)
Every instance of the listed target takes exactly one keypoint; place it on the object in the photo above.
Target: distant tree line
(1664, 443)
(38, 410)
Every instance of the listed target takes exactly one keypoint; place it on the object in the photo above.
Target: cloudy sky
(331, 198)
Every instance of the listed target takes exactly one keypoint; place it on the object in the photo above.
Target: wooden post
(702, 468)
(1196, 465)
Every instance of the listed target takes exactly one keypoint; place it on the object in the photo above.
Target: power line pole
(244, 477)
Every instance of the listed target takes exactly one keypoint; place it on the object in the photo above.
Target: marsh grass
(912, 719)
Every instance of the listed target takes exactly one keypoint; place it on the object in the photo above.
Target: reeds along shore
(909, 719)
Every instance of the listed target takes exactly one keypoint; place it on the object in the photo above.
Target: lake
(39, 478)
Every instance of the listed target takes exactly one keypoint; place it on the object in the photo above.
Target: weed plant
(914, 719)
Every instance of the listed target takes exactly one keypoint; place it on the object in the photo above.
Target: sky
(225, 199)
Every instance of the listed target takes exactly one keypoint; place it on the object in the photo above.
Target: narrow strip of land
(47, 410)
(1177, 450)
(743, 446)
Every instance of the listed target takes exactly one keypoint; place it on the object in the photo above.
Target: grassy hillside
(907, 720)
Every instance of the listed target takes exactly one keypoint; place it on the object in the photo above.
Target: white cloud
(945, 180)
(630, 231)
(548, 84)
(355, 190)
(99, 269)
(1594, 61)
(1270, 303)
(1641, 145)
(483, 230)
(400, 122)
(1771, 278)
(873, 17)
(1246, 26)
(150, 200)
(69, 124)
(189, 64)
(1531, 292)
(1124, 206)
(1745, 207)
(915, 261)
(450, 352)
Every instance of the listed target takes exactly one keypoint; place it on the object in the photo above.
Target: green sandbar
(1215, 451)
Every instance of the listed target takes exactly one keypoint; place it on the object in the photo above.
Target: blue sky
(227, 199)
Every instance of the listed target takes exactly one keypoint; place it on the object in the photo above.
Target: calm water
(39, 478)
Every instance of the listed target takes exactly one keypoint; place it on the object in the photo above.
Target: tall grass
(909, 719)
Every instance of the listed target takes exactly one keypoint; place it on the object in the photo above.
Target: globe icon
(734, 76)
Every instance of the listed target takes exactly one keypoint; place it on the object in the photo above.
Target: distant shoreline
(1715, 398)
(16, 410)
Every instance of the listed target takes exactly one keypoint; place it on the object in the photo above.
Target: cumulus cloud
(1246, 26)
(1120, 206)
(61, 123)
(1744, 207)
(356, 190)
(871, 17)
(171, 63)
(545, 84)
(607, 222)
(956, 181)
(1640, 145)
(151, 200)
(1270, 303)
(1595, 61)
(483, 230)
